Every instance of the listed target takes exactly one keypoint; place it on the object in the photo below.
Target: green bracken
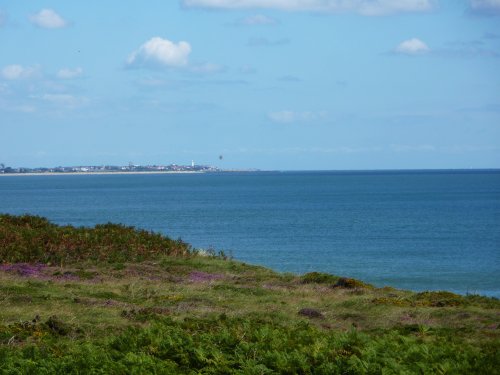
(116, 300)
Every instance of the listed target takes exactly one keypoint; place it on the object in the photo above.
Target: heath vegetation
(114, 299)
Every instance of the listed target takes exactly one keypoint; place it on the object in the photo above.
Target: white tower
(192, 163)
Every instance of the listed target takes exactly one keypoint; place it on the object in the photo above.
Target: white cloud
(364, 7)
(15, 71)
(160, 52)
(488, 7)
(288, 117)
(67, 73)
(412, 47)
(48, 19)
(258, 19)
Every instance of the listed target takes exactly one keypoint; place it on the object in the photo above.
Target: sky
(267, 84)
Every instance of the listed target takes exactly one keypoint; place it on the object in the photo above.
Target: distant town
(110, 169)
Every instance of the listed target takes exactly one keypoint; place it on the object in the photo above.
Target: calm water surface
(414, 230)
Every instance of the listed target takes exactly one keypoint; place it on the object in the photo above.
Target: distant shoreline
(123, 173)
(96, 173)
(338, 171)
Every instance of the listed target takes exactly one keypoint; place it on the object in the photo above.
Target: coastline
(335, 171)
(97, 173)
(159, 306)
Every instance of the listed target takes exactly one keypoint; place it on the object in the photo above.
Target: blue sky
(269, 84)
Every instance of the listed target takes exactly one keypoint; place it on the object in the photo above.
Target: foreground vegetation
(112, 299)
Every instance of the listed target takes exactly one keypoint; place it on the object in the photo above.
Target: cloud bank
(160, 52)
(48, 19)
(363, 7)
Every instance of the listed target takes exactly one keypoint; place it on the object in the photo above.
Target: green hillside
(113, 299)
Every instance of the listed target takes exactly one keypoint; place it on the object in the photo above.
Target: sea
(418, 230)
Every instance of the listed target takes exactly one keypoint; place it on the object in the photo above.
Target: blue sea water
(419, 230)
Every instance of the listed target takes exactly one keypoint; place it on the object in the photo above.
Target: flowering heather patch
(23, 269)
(200, 277)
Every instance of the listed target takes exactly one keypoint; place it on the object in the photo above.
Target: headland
(115, 299)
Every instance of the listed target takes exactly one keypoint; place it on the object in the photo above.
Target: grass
(167, 311)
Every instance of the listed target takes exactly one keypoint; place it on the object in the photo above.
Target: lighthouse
(192, 163)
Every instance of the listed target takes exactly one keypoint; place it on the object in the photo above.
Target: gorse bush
(34, 239)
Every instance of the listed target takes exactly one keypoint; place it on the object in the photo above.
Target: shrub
(348, 283)
(34, 239)
(438, 299)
